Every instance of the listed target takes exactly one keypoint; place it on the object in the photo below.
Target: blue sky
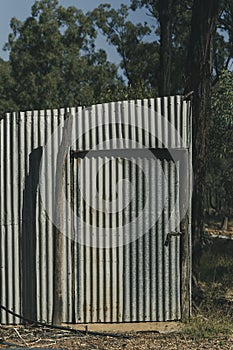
(21, 9)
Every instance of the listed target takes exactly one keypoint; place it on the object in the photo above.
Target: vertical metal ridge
(153, 243)
(159, 122)
(159, 250)
(146, 248)
(166, 251)
(10, 226)
(94, 193)
(126, 256)
(133, 262)
(140, 179)
(172, 251)
(2, 228)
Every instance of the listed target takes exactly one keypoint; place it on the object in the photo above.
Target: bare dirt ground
(32, 337)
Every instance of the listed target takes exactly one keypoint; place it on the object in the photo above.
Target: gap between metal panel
(173, 154)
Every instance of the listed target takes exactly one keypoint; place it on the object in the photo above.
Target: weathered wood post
(186, 253)
(59, 220)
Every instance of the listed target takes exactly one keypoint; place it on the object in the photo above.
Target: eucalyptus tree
(220, 147)
(54, 61)
(6, 87)
(139, 57)
(199, 80)
(172, 27)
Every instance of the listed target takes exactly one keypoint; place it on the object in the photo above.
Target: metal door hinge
(170, 235)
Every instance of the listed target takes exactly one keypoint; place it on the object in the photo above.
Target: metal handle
(170, 235)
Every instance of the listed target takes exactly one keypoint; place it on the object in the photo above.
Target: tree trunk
(198, 80)
(165, 20)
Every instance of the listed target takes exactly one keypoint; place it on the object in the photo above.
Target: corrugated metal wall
(135, 282)
(140, 280)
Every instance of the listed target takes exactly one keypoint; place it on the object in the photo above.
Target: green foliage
(6, 87)
(139, 58)
(224, 36)
(54, 61)
(220, 142)
(180, 23)
(222, 104)
(179, 18)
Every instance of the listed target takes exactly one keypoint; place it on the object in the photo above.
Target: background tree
(220, 148)
(6, 87)
(199, 80)
(139, 58)
(54, 61)
(172, 26)
(223, 38)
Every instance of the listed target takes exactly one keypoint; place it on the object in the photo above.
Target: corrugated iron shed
(137, 280)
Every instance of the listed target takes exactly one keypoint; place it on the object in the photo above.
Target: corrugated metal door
(124, 271)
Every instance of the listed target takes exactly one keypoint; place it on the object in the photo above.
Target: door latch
(170, 235)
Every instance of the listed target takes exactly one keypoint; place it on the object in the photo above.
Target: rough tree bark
(166, 13)
(199, 80)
